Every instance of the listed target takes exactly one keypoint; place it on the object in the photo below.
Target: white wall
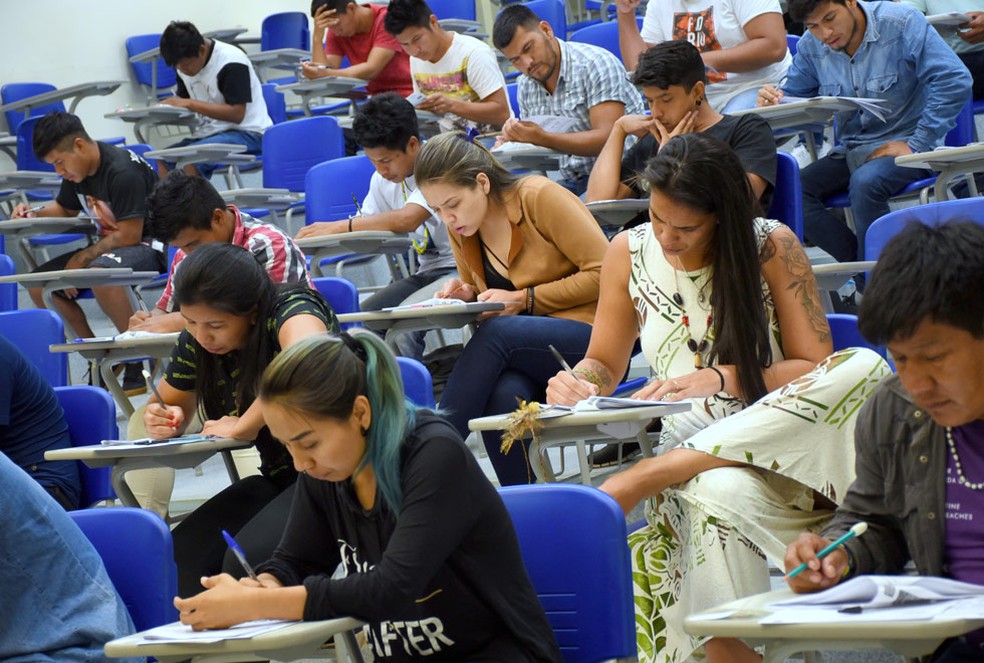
(64, 42)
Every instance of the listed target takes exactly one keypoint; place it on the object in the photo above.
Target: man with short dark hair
(672, 77)
(217, 81)
(567, 79)
(110, 184)
(881, 50)
(346, 29)
(920, 438)
(185, 212)
(458, 74)
(386, 127)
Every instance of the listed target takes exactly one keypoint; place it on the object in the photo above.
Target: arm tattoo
(595, 372)
(804, 286)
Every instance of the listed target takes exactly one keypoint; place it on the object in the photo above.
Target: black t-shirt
(748, 135)
(233, 82)
(123, 181)
(444, 581)
(182, 372)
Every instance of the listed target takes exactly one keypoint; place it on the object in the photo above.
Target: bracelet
(529, 300)
(720, 375)
(350, 224)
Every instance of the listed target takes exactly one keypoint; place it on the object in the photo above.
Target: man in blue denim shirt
(882, 50)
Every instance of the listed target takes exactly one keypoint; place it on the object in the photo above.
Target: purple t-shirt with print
(964, 529)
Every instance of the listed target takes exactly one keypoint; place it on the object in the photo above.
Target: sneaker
(802, 154)
(609, 455)
(134, 383)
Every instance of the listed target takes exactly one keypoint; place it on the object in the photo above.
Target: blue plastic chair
(512, 91)
(275, 103)
(285, 30)
(8, 291)
(91, 417)
(144, 72)
(341, 294)
(604, 35)
(291, 149)
(787, 196)
(792, 43)
(417, 382)
(933, 214)
(15, 92)
(553, 12)
(460, 9)
(845, 334)
(573, 541)
(137, 550)
(32, 331)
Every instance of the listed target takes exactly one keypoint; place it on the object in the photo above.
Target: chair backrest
(32, 331)
(285, 30)
(143, 71)
(604, 35)
(291, 149)
(25, 147)
(964, 131)
(787, 196)
(792, 43)
(463, 9)
(16, 91)
(8, 291)
(326, 198)
(418, 385)
(91, 417)
(512, 91)
(933, 214)
(553, 12)
(141, 150)
(845, 334)
(341, 294)
(275, 103)
(573, 543)
(137, 550)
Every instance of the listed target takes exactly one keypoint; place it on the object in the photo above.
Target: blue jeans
(253, 142)
(408, 344)
(576, 185)
(870, 185)
(506, 359)
(59, 604)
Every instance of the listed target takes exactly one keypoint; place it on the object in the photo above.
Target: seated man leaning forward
(110, 184)
(458, 75)
(920, 439)
(386, 127)
(217, 81)
(880, 50)
(566, 79)
(186, 212)
(673, 80)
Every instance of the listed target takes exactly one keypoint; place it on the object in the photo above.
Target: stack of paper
(178, 633)
(873, 105)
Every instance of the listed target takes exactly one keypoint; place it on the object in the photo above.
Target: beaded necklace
(695, 346)
(956, 462)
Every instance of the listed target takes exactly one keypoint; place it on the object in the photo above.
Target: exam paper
(881, 591)
(178, 633)
(426, 303)
(873, 105)
(949, 18)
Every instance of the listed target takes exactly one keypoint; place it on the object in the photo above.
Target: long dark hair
(228, 278)
(704, 174)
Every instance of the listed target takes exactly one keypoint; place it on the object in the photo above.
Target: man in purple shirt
(920, 437)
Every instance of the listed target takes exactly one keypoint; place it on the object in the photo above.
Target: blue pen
(857, 530)
(238, 552)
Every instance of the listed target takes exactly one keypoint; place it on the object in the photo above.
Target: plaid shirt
(589, 75)
(271, 246)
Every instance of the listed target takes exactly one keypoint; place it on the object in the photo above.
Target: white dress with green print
(707, 540)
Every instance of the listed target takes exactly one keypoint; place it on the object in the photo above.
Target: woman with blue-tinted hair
(390, 492)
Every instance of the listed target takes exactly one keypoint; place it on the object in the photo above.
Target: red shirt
(395, 76)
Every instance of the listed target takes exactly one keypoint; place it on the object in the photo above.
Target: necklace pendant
(678, 299)
(692, 346)
(698, 360)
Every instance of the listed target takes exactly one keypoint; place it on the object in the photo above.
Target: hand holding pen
(567, 387)
(769, 95)
(815, 563)
(160, 419)
(455, 288)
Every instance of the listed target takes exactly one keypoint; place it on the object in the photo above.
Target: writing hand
(161, 423)
(22, 211)
(520, 131)
(820, 573)
(565, 389)
(456, 289)
(224, 603)
(769, 95)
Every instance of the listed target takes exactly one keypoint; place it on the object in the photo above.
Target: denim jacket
(902, 60)
(900, 489)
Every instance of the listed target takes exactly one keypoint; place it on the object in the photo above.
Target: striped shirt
(271, 246)
(589, 76)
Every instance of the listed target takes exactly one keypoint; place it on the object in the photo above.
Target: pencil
(858, 529)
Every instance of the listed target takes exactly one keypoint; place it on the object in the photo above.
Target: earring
(699, 102)
(364, 431)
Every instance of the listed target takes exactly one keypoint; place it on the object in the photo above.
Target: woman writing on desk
(390, 492)
(728, 313)
(528, 244)
(236, 320)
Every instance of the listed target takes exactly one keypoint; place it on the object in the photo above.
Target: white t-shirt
(386, 196)
(712, 25)
(468, 71)
(949, 32)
